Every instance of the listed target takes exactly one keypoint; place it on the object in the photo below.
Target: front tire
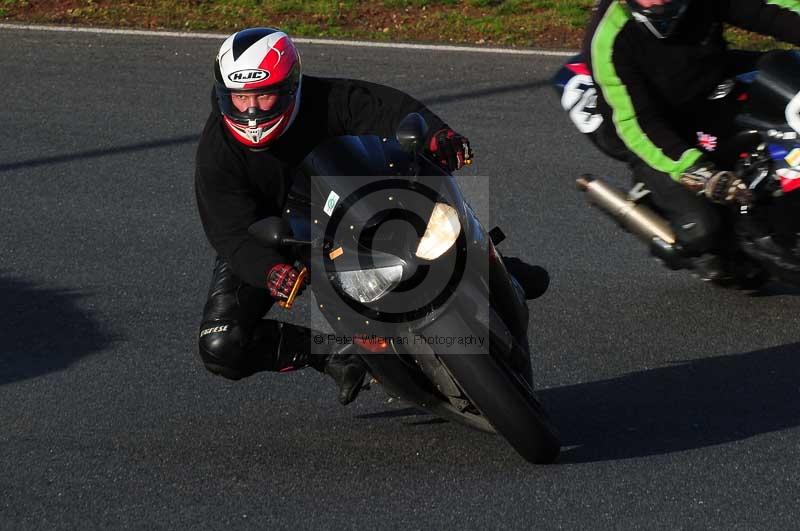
(508, 403)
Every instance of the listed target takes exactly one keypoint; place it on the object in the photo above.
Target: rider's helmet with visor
(257, 76)
(660, 20)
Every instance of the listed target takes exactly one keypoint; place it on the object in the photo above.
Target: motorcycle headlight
(440, 235)
(368, 285)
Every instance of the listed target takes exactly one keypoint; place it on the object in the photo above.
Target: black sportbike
(408, 279)
(760, 241)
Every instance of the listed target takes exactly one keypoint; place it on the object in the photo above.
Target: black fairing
(486, 303)
(346, 164)
(777, 82)
(363, 171)
(337, 164)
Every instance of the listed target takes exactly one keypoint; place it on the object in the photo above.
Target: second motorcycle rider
(661, 68)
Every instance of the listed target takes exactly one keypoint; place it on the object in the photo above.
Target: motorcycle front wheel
(508, 402)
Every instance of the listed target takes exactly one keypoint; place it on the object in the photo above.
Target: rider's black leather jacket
(236, 186)
(649, 87)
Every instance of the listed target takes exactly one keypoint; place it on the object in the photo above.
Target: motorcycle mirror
(271, 231)
(411, 132)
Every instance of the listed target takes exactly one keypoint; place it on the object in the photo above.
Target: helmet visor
(259, 105)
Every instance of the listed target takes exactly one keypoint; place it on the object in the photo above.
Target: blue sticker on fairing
(777, 152)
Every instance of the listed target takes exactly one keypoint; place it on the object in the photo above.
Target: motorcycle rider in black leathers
(266, 117)
(658, 65)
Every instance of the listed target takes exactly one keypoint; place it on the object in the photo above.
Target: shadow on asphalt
(394, 413)
(480, 93)
(406, 412)
(96, 153)
(43, 330)
(773, 289)
(689, 405)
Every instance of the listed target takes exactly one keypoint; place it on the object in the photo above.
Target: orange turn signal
(372, 344)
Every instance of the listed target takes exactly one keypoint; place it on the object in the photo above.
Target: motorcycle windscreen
(349, 172)
(775, 93)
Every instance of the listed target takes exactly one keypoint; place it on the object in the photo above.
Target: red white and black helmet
(258, 61)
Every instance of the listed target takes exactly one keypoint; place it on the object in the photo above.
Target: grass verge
(516, 23)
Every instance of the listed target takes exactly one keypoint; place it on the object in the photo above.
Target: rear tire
(508, 403)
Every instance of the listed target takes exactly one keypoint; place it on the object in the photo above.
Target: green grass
(540, 23)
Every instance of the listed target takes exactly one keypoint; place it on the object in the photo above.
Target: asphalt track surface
(678, 402)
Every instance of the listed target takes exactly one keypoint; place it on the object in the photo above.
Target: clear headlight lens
(440, 235)
(368, 285)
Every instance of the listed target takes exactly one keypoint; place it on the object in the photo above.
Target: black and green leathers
(652, 89)
(658, 98)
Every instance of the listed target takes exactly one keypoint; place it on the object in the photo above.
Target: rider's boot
(348, 371)
(749, 274)
(293, 352)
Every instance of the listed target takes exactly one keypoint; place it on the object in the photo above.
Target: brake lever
(301, 277)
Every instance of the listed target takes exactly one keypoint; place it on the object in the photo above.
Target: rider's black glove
(449, 149)
(723, 187)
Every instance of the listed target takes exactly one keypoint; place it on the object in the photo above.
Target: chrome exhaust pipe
(638, 219)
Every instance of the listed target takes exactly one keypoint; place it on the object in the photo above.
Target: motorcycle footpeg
(497, 236)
